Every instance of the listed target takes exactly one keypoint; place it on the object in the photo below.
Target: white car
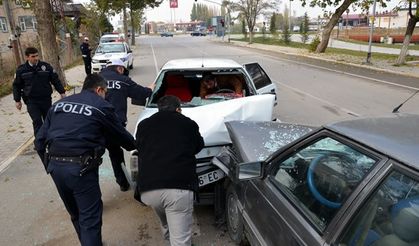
(113, 37)
(182, 78)
(109, 51)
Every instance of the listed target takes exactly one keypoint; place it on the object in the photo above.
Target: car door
(260, 78)
(306, 189)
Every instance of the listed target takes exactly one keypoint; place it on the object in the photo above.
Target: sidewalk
(16, 126)
(411, 69)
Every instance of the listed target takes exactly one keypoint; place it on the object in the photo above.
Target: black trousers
(87, 65)
(116, 154)
(82, 198)
(38, 112)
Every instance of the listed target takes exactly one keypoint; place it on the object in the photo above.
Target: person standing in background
(86, 54)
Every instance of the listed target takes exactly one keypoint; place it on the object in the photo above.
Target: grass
(6, 87)
(394, 46)
(334, 51)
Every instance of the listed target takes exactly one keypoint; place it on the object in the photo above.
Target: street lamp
(368, 61)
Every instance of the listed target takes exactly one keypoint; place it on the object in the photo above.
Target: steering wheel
(312, 186)
(225, 91)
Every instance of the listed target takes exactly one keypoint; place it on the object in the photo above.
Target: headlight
(95, 61)
(123, 59)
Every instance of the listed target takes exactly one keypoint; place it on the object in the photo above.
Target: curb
(6, 163)
(243, 44)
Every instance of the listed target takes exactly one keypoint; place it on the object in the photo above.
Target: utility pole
(368, 61)
(14, 36)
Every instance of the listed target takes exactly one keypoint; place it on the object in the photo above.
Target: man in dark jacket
(74, 135)
(86, 54)
(32, 83)
(120, 87)
(168, 142)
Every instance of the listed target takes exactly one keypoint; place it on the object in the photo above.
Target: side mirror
(249, 170)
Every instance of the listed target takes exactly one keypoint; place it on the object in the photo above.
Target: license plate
(210, 177)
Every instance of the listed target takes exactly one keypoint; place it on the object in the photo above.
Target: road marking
(346, 73)
(321, 100)
(155, 61)
(6, 163)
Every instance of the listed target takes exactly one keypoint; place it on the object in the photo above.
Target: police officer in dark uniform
(72, 141)
(120, 87)
(32, 84)
(85, 53)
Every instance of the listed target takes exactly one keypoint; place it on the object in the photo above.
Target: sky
(183, 12)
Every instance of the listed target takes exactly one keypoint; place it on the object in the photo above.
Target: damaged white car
(183, 78)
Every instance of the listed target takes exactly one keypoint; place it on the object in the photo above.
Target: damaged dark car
(348, 183)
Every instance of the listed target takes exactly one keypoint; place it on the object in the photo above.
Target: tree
(272, 26)
(304, 28)
(47, 35)
(243, 21)
(286, 35)
(413, 19)
(136, 12)
(334, 18)
(250, 10)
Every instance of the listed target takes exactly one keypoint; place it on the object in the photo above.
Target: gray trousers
(174, 208)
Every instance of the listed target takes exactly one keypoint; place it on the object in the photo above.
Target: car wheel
(234, 218)
(131, 66)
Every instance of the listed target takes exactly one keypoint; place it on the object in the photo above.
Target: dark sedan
(349, 183)
(166, 34)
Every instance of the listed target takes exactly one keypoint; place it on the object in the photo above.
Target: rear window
(188, 87)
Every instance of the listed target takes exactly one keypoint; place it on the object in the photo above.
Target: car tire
(234, 218)
(131, 66)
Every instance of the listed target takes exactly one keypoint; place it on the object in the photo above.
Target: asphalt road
(310, 92)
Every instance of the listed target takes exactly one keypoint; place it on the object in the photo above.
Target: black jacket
(80, 123)
(85, 50)
(34, 83)
(120, 87)
(167, 144)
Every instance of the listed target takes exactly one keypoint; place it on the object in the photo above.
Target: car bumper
(97, 67)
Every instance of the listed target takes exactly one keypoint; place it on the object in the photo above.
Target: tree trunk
(321, 48)
(124, 11)
(407, 37)
(47, 36)
(132, 27)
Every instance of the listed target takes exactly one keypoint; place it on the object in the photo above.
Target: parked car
(349, 183)
(166, 34)
(113, 37)
(198, 33)
(182, 78)
(114, 50)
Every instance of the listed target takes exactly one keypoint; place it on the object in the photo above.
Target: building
(18, 24)
(393, 19)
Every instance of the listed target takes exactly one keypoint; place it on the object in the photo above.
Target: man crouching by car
(167, 143)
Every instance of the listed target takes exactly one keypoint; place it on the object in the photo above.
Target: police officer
(73, 136)
(85, 53)
(32, 84)
(120, 87)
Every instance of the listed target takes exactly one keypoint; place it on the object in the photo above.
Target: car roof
(200, 63)
(112, 43)
(396, 135)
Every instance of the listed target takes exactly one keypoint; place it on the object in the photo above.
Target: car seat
(405, 224)
(177, 85)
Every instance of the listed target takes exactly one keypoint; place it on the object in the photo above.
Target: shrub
(313, 45)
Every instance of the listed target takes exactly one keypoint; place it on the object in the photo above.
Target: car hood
(211, 118)
(256, 141)
(108, 56)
